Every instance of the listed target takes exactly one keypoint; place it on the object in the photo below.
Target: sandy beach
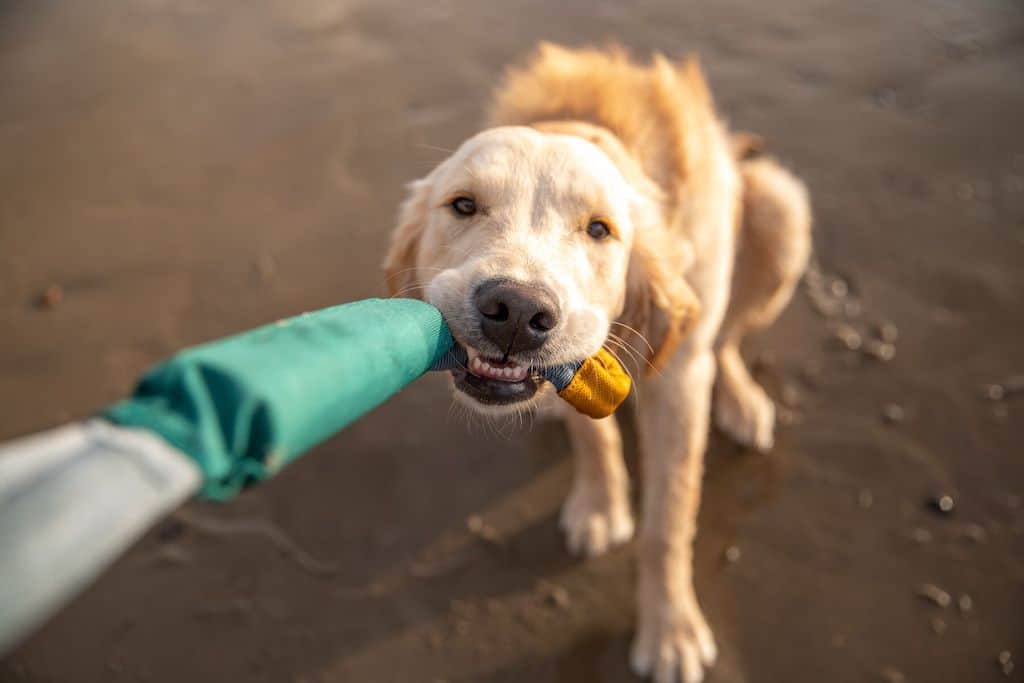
(176, 170)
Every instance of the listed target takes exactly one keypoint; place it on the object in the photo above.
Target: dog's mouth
(495, 382)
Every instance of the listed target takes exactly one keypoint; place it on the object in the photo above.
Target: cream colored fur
(707, 247)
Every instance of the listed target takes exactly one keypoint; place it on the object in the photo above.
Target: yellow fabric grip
(599, 386)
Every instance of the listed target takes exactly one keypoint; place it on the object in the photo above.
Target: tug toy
(245, 406)
(212, 420)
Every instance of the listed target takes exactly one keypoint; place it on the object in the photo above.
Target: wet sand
(183, 169)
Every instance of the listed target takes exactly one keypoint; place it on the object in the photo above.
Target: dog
(607, 205)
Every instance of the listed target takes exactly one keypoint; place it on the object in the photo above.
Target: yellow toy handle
(599, 386)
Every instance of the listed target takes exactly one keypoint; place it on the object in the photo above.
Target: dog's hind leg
(773, 246)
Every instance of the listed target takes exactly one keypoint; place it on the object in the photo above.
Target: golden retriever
(609, 206)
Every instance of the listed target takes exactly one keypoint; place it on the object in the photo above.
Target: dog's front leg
(673, 641)
(596, 515)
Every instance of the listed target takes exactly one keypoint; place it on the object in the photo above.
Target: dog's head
(533, 243)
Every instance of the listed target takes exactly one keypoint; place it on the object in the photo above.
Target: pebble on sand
(173, 554)
(481, 529)
(883, 351)
(965, 603)
(888, 332)
(556, 596)
(1001, 390)
(1005, 660)
(973, 532)
(891, 675)
(942, 504)
(995, 392)
(935, 595)
(839, 289)
(827, 307)
(848, 336)
(893, 412)
(732, 554)
(50, 298)
(921, 536)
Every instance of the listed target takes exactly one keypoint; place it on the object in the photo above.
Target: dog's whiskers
(408, 290)
(423, 145)
(633, 388)
(629, 349)
(636, 354)
(637, 333)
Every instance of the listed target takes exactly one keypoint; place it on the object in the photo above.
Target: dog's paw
(673, 643)
(595, 522)
(748, 417)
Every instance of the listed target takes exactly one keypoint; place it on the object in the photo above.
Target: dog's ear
(400, 262)
(660, 305)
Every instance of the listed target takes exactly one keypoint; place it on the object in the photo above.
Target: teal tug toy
(245, 406)
(212, 420)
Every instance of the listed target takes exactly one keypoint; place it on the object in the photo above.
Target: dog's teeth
(509, 372)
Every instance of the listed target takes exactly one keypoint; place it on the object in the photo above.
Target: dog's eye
(463, 206)
(598, 230)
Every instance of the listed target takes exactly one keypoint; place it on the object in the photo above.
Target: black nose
(515, 316)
